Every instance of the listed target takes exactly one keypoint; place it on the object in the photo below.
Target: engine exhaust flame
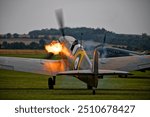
(54, 47)
(57, 66)
(54, 67)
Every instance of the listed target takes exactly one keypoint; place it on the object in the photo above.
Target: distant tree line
(132, 42)
(21, 45)
(9, 35)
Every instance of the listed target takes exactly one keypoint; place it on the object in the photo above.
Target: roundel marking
(76, 63)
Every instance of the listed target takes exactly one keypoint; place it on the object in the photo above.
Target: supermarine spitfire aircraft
(75, 62)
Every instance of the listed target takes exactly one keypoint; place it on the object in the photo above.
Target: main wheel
(93, 92)
(50, 83)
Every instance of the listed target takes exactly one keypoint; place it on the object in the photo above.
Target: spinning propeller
(60, 19)
(104, 52)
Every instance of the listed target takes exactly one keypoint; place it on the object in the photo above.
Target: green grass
(21, 85)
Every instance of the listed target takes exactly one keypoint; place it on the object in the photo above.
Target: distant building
(41, 36)
(24, 36)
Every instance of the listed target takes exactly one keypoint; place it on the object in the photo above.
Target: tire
(94, 92)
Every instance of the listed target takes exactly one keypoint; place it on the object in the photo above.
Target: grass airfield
(27, 86)
(23, 86)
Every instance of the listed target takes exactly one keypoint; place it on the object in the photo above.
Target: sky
(119, 16)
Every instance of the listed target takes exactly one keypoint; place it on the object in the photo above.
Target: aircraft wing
(128, 63)
(40, 66)
(89, 72)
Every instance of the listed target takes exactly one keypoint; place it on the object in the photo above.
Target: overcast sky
(120, 16)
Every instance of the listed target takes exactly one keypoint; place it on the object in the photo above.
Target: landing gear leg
(93, 89)
(51, 82)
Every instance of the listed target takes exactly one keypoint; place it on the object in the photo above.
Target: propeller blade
(104, 40)
(104, 51)
(60, 19)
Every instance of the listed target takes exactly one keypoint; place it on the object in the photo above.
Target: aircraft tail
(95, 62)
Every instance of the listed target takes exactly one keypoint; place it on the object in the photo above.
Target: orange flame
(54, 47)
(53, 67)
